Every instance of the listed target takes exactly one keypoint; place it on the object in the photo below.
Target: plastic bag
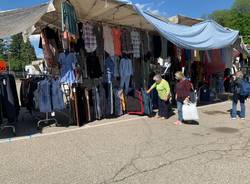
(189, 112)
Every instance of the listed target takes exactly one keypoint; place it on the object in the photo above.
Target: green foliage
(238, 18)
(21, 53)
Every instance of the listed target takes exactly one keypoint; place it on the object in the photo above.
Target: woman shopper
(183, 89)
(163, 89)
(236, 89)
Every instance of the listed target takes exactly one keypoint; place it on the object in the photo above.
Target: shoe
(233, 118)
(242, 118)
(178, 123)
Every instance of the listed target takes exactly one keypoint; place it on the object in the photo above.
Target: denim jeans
(237, 98)
(179, 108)
(57, 95)
(45, 96)
(125, 80)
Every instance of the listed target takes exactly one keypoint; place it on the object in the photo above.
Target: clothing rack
(5, 125)
(47, 118)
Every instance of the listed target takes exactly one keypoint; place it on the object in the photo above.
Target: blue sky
(192, 8)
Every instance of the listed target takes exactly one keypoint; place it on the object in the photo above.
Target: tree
(238, 17)
(21, 53)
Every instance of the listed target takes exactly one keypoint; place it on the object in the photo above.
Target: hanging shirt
(126, 68)
(89, 38)
(126, 42)
(145, 42)
(98, 30)
(117, 41)
(164, 53)
(108, 41)
(136, 42)
(67, 62)
(69, 20)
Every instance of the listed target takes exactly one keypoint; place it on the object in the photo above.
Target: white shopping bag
(190, 112)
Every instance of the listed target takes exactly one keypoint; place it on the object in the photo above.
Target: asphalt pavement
(134, 150)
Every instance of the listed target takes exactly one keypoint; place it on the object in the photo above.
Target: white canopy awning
(116, 12)
(22, 20)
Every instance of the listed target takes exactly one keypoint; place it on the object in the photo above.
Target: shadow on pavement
(192, 122)
(27, 125)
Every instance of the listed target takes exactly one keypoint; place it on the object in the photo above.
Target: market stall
(101, 55)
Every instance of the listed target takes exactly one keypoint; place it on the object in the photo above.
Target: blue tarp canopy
(206, 35)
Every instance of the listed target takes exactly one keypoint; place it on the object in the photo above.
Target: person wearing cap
(163, 89)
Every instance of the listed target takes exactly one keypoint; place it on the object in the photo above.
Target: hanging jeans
(179, 108)
(163, 108)
(110, 98)
(125, 80)
(45, 96)
(242, 99)
(96, 101)
(117, 102)
(147, 103)
(57, 95)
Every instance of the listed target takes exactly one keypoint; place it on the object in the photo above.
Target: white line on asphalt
(69, 130)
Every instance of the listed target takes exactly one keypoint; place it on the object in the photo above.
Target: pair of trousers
(125, 81)
(44, 90)
(179, 108)
(57, 95)
(242, 99)
(163, 108)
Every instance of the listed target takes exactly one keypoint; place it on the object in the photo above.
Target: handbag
(189, 112)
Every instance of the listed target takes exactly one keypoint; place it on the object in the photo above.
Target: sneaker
(233, 118)
(242, 118)
(178, 123)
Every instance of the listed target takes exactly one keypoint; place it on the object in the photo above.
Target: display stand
(46, 120)
(4, 126)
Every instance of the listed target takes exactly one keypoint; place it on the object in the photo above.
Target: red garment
(117, 41)
(183, 89)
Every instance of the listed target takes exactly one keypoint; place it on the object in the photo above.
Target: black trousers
(163, 108)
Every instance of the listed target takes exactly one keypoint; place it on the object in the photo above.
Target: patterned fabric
(89, 38)
(136, 42)
(126, 42)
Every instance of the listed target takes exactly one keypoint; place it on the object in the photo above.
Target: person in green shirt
(163, 89)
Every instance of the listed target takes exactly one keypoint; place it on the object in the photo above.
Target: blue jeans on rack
(45, 96)
(242, 99)
(57, 95)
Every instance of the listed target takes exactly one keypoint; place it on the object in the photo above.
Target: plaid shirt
(126, 42)
(89, 38)
(136, 42)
